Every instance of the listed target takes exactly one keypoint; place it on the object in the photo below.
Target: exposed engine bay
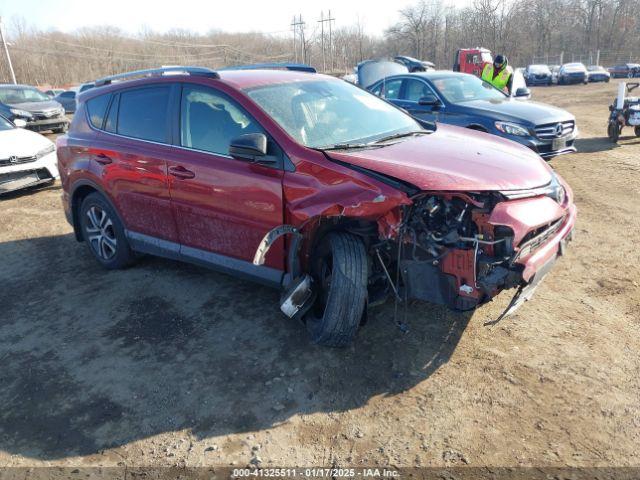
(448, 253)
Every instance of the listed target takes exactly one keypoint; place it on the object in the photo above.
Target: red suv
(311, 185)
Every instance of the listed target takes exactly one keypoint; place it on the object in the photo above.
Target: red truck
(472, 60)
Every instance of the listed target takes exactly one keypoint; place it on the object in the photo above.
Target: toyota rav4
(311, 185)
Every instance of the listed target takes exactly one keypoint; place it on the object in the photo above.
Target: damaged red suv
(311, 185)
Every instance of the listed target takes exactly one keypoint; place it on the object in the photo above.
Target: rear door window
(97, 108)
(144, 113)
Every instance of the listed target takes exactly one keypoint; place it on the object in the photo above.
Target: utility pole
(6, 51)
(294, 27)
(330, 44)
(298, 30)
(322, 21)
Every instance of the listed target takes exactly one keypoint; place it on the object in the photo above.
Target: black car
(537, 75)
(31, 105)
(467, 101)
(570, 73)
(68, 100)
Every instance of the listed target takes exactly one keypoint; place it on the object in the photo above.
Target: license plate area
(559, 144)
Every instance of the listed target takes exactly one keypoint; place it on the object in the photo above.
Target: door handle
(102, 159)
(181, 172)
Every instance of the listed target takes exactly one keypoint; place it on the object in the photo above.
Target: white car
(26, 158)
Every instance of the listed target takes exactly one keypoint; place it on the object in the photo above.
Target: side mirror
(523, 92)
(430, 100)
(20, 123)
(250, 146)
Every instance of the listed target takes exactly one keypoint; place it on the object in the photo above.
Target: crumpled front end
(462, 250)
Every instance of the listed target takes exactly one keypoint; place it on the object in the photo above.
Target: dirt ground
(170, 364)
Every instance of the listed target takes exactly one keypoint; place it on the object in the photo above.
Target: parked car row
(569, 73)
(376, 201)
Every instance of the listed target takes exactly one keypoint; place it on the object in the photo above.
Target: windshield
(5, 124)
(574, 67)
(539, 69)
(22, 95)
(322, 114)
(595, 68)
(465, 88)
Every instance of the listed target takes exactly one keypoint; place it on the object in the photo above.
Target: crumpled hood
(21, 143)
(454, 159)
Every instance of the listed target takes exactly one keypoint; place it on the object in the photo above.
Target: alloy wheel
(100, 233)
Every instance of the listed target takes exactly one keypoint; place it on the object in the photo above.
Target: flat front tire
(340, 271)
(103, 233)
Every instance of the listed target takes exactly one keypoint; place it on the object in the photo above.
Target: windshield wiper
(346, 146)
(401, 135)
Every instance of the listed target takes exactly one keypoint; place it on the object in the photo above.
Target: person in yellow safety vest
(500, 74)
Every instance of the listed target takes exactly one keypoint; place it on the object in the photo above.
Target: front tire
(613, 132)
(103, 233)
(340, 270)
(62, 129)
(636, 130)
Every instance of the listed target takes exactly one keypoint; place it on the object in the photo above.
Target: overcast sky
(202, 15)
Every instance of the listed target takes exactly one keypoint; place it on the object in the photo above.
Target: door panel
(221, 204)
(136, 176)
(134, 169)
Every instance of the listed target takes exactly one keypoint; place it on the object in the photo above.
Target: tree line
(527, 31)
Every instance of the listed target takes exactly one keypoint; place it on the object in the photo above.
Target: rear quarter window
(143, 113)
(97, 108)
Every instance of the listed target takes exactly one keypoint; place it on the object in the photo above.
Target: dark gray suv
(33, 106)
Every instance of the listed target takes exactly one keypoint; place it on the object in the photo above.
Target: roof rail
(297, 67)
(151, 72)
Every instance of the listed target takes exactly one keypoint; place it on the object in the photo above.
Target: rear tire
(103, 233)
(340, 271)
